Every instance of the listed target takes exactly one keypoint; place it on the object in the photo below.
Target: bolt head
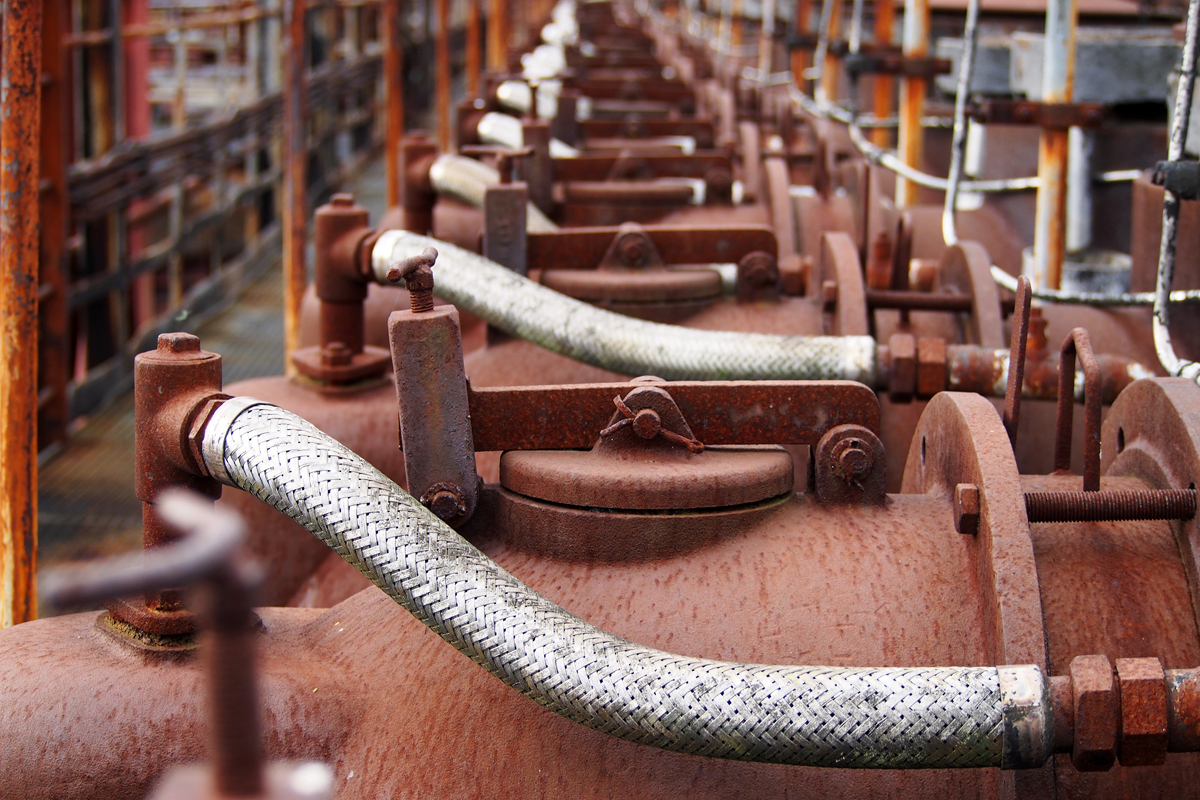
(966, 508)
(446, 504)
(855, 462)
(177, 343)
(633, 251)
(647, 423)
(1096, 714)
(342, 200)
(336, 354)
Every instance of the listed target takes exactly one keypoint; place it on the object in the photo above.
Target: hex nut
(1096, 714)
(902, 381)
(931, 367)
(1143, 740)
(966, 508)
(195, 434)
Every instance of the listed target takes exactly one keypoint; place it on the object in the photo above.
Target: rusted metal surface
(341, 355)
(1094, 506)
(1077, 344)
(849, 467)
(1094, 747)
(1051, 116)
(649, 461)
(1016, 359)
(393, 82)
(441, 13)
(207, 559)
(675, 244)
(20, 154)
(174, 387)
(295, 179)
(571, 417)
(431, 390)
(473, 60)
(1142, 690)
(913, 89)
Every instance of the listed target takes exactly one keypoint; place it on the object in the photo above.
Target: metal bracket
(1053, 116)
(1180, 178)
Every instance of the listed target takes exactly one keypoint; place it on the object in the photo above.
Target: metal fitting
(417, 274)
(966, 508)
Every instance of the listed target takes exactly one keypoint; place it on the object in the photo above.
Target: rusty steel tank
(667, 514)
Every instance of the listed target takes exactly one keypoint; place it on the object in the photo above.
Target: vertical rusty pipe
(912, 98)
(20, 125)
(295, 181)
(800, 54)
(497, 36)
(443, 73)
(393, 81)
(885, 18)
(1058, 81)
(53, 347)
(831, 67)
(1077, 343)
(473, 48)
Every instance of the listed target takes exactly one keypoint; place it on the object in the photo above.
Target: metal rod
(472, 65)
(441, 10)
(1110, 506)
(497, 36)
(393, 78)
(1058, 81)
(1016, 360)
(912, 99)
(1171, 203)
(295, 159)
(1077, 344)
(885, 21)
(958, 141)
(20, 126)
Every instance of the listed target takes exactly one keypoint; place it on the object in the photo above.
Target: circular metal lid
(655, 476)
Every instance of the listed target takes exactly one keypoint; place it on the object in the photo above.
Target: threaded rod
(1114, 505)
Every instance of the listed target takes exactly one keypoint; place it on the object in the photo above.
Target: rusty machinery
(668, 514)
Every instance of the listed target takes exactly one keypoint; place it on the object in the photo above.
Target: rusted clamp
(1053, 116)
(1180, 178)
(647, 423)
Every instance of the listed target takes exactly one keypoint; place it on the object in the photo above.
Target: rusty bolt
(417, 274)
(647, 423)
(759, 270)
(336, 354)
(178, 343)
(931, 366)
(632, 250)
(829, 293)
(851, 460)
(966, 508)
(342, 200)
(902, 380)
(1096, 716)
(445, 500)
(1143, 689)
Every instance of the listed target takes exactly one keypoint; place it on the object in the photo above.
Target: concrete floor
(85, 492)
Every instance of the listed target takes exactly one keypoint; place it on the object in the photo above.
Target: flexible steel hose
(815, 716)
(466, 180)
(623, 344)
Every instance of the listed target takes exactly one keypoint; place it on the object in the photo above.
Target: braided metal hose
(466, 180)
(623, 344)
(814, 716)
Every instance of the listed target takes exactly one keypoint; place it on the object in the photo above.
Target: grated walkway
(85, 493)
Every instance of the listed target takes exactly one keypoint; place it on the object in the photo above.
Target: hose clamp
(213, 446)
(1028, 717)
